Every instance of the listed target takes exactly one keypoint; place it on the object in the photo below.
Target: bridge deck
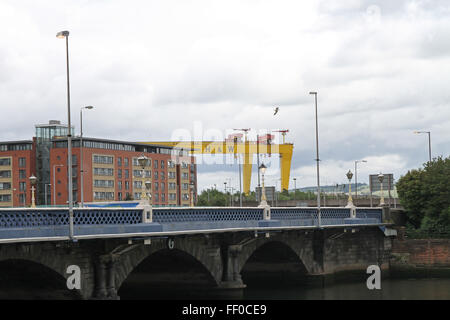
(52, 224)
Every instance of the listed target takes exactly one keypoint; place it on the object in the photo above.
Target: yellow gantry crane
(246, 148)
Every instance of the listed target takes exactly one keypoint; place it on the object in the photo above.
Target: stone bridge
(219, 250)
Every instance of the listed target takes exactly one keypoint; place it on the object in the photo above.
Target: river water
(391, 289)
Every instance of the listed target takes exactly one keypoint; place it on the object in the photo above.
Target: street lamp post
(350, 200)
(429, 142)
(81, 153)
(356, 178)
(62, 35)
(33, 181)
(380, 178)
(54, 183)
(317, 160)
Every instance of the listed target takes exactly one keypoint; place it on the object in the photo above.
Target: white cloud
(381, 69)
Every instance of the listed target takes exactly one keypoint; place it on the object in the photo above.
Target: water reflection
(391, 289)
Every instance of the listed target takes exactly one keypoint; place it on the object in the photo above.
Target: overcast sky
(153, 69)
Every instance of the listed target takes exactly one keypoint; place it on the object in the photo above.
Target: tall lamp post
(356, 177)
(81, 152)
(380, 178)
(429, 142)
(350, 200)
(33, 181)
(317, 160)
(62, 35)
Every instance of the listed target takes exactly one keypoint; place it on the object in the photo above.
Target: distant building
(111, 170)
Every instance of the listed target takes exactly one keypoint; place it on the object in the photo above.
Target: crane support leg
(247, 173)
(285, 164)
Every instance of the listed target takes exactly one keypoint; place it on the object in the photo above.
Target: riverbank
(420, 258)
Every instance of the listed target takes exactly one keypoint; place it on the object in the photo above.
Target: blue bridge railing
(53, 222)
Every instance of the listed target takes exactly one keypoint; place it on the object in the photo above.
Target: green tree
(425, 195)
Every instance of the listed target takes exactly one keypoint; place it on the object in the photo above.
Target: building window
(6, 174)
(185, 176)
(104, 183)
(156, 196)
(162, 164)
(171, 175)
(22, 186)
(137, 173)
(119, 161)
(163, 175)
(172, 196)
(104, 195)
(137, 196)
(156, 164)
(127, 173)
(185, 186)
(171, 164)
(125, 162)
(148, 173)
(184, 165)
(22, 198)
(119, 185)
(156, 186)
(155, 175)
(103, 159)
(22, 162)
(163, 197)
(172, 185)
(163, 186)
(103, 171)
(119, 173)
(119, 196)
(5, 161)
(5, 185)
(137, 184)
(22, 174)
(127, 185)
(5, 198)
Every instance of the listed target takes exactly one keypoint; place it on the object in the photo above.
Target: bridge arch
(298, 245)
(24, 279)
(184, 250)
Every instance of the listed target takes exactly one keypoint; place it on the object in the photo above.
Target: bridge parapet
(29, 223)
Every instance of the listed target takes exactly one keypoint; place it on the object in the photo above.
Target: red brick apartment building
(17, 165)
(111, 170)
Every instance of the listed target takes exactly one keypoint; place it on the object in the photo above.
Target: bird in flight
(276, 110)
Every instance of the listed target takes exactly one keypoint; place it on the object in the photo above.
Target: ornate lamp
(350, 200)
(143, 161)
(263, 168)
(33, 181)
